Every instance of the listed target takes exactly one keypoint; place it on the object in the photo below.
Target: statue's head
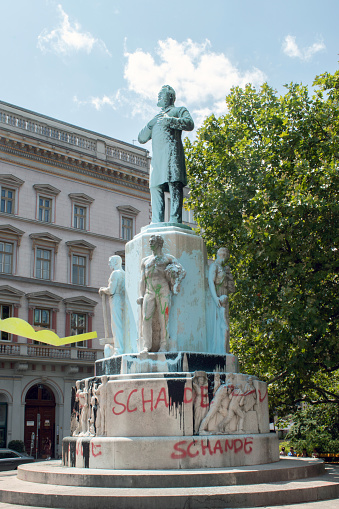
(115, 262)
(223, 254)
(156, 241)
(166, 96)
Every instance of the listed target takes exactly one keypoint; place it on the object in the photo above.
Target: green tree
(264, 181)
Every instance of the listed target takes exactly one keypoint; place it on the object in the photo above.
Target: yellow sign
(19, 327)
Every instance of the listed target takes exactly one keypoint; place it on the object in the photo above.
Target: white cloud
(68, 37)
(199, 75)
(99, 102)
(201, 78)
(291, 49)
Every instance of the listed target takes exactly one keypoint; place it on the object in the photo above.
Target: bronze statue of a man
(168, 172)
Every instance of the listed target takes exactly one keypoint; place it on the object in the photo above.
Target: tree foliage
(264, 181)
(315, 427)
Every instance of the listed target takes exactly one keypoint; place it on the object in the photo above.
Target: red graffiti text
(184, 448)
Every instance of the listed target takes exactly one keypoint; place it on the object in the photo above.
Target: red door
(40, 420)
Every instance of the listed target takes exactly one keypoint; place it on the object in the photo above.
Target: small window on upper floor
(127, 224)
(128, 216)
(81, 210)
(10, 238)
(7, 200)
(42, 318)
(43, 263)
(9, 189)
(6, 257)
(79, 266)
(5, 312)
(46, 202)
(80, 254)
(79, 326)
(79, 217)
(45, 247)
(45, 209)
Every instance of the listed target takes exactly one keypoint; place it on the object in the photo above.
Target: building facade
(70, 198)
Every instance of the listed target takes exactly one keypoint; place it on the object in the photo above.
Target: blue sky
(99, 64)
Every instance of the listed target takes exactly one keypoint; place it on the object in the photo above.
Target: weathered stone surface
(147, 407)
(187, 317)
(188, 452)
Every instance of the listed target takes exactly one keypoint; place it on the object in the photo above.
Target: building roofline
(73, 126)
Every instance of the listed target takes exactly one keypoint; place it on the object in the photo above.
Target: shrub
(16, 445)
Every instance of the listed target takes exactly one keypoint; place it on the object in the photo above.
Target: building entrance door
(40, 421)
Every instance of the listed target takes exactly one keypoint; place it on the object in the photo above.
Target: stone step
(18, 491)
(71, 497)
(285, 470)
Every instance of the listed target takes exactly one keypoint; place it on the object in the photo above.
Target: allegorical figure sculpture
(116, 292)
(161, 275)
(249, 395)
(101, 395)
(235, 411)
(221, 284)
(217, 410)
(168, 172)
(200, 401)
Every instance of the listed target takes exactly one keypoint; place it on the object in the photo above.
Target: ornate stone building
(70, 198)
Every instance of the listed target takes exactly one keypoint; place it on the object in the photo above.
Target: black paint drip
(72, 452)
(176, 391)
(85, 452)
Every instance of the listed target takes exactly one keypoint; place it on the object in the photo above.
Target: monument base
(181, 452)
(166, 362)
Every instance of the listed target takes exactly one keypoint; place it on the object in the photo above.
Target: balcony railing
(9, 349)
(112, 151)
(47, 352)
(49, 132)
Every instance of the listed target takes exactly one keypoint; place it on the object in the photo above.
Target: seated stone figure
(161, 275)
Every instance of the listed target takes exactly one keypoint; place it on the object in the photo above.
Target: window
(45, 209)
(10, 238)
(7, 200)
(46, 196)
(43, 263)
(42, 318)
(79, 326)
(126, 228)
(80, 254)
(5, 312)
(43, 308)
(45, 247)
(9, 191)
(81, 204)
(128, 216)
(79, 218)
(6, 257)
(79, 315)
(78, 270)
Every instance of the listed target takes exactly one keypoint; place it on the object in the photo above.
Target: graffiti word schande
(130, 400)
(185, 448)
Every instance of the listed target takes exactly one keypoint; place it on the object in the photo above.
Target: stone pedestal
(182, 408)
(187, 318)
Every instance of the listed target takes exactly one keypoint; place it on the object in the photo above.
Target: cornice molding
(118, 173)
(46, 189)
(81, 198)
(128, 209)
(11, 180)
